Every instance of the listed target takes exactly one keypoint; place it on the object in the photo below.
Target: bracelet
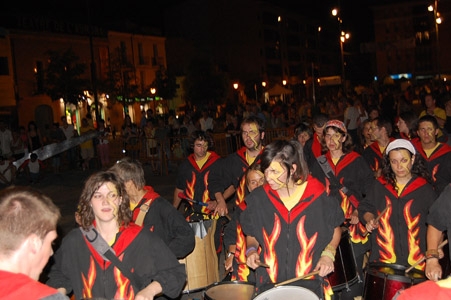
(250, 249)
(230, 254)
(328, 254)
(331, 249)
(431, 253)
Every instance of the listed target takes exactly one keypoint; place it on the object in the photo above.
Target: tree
(204, 84)
(165, 84)
(119, 84)
(63, 76)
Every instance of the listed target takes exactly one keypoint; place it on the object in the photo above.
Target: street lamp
(437, 21)
(343, 37)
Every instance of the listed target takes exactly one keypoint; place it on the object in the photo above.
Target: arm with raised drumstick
(371, 222)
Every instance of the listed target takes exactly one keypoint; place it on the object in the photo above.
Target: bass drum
(201, 265)
(230, 290)
(383, 281)
(345, 272)
(287, 292)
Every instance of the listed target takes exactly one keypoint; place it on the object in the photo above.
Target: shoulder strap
(325, 166)
(102, 247)
(143, 209)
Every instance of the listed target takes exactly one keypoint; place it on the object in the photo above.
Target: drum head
(230, 290)
(396, 272)
(287, 293)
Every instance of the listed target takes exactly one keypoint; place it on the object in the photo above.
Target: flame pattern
(304, 261)
(385, 236)
(124, 289)
(270, 252)
(434, 172)
(88, 282)
(240, 255)
(415, 253)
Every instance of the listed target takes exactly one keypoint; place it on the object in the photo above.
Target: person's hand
(441, 254)
(228, 263)
(150, 291)
(325, 266)
(212, 205)
(221, 209)
(354, 217)
(371, 225)
(433, 269)
(253, 260)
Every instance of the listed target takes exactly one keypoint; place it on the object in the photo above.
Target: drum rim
(241, 282)
(371, 270)
(283, 287)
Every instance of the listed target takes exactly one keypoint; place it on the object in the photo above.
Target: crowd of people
(280, 211)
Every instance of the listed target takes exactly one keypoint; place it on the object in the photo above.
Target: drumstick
(182, 196)
(442, 244)
(378, 217)
(260, 264)
(296, 279)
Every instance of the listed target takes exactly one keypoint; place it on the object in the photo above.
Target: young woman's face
(334, 139)
(254, 179)
(105, 203)
(276, 175)
(401, 163)
(402, 126)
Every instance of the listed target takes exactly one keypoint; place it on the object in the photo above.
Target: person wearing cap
(312, 148)
(395, 210)
(381, 132)
(437, 155)
(348, 178)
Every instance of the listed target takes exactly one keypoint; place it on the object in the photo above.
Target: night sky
(356, 14)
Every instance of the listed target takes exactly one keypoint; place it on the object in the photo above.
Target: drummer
(158, 215)
(234, 241)
(348, 178)
(439, 221)
(290, 222)
(395, 211)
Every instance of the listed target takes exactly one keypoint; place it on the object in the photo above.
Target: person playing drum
(439, 221)
(235, 241)
(290, 222)
(395, 211)
(348, 178)
(153, 211)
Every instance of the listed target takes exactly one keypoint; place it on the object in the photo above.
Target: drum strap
(325, 166)
(143, 209)
(102, 247)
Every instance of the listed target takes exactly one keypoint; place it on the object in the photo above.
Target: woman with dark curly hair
(402, 197)
(105, 218)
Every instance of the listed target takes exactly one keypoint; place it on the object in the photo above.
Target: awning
(278, 90)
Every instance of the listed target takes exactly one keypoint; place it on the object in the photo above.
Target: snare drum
(230, 290)
(345, 273)
(287, 292)
(201, 265)
(382, 281)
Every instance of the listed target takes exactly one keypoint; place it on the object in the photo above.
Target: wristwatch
(230, 254)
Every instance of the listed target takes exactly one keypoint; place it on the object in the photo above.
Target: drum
(382, 281)
(230, 290)
(287, 292)
(201, 265)
(345, 272)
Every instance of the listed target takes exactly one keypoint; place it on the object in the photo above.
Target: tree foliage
(64, 76)
(165, 84)
(204, 84)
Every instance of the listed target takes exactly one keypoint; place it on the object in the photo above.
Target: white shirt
(6, 139)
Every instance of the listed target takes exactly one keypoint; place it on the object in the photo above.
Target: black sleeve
(181, 240)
